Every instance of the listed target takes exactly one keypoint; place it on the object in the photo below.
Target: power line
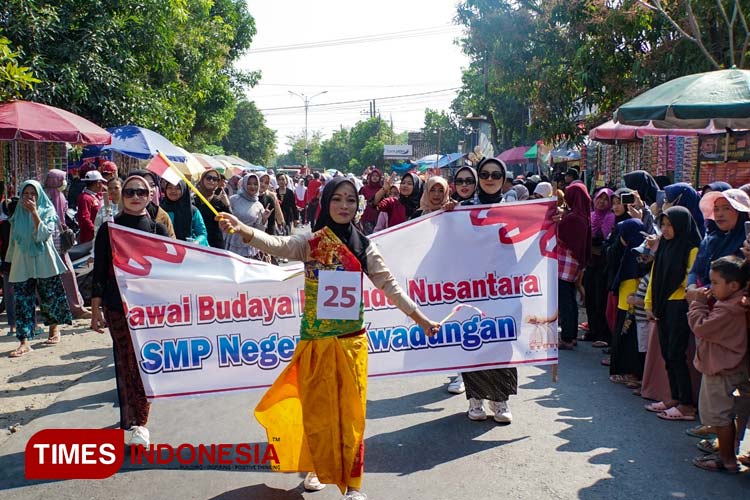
(337, 85)
(377, 37)
(364, 100)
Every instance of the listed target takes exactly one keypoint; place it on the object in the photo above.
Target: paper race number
(339, 294)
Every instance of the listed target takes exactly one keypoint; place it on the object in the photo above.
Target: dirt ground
(31, 383)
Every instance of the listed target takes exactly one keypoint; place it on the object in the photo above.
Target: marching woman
(210, 186)
(402, 208)
(36, 267)
(369, 190)
(134, 407)
(315, 411)
(288, 204)
(186, 218)
(465, 182)
(249, 210)
(435, 196)
(496, 385)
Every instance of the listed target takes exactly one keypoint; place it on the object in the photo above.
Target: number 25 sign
(339, 294)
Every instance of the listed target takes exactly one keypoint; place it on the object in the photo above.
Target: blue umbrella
(445, 160)
(138, 142)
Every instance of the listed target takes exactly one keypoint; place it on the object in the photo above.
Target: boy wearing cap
(88, 205)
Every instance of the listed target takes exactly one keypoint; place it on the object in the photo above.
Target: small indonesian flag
(164, 168)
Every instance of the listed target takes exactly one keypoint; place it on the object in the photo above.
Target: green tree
(248, 136)
(544, 68)
(335, 152)
(162, 64)
(296, 153)
(445, 128)
(14, 79)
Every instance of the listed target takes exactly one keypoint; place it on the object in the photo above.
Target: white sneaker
(312, 483)
(476, 410)
(140, 436)
(501, 411)
(457, 385)
(354, 495)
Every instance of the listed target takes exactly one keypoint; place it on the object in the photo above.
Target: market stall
(33, 139)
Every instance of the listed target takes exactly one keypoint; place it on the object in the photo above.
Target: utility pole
(307, 100)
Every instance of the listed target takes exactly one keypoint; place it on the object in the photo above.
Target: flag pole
(190, 185)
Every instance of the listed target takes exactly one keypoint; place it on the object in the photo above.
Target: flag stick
(190, 185)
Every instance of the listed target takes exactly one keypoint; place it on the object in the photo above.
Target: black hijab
(347, 233)
(152, 208)
(484, 197)
(671, 260)
(641, 181)
(473, 172)
(411, 202)
(183, 212)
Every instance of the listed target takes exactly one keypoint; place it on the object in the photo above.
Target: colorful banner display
(208, 321)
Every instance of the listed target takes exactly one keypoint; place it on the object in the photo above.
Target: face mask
(63, 187)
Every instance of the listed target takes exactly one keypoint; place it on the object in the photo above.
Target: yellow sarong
(314, 414)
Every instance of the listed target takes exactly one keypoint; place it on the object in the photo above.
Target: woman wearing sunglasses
(134, 407)
(497, 384)
(465, 183)
(210, 186)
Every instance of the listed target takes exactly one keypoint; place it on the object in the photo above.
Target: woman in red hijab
(369, 190)
(573, 253)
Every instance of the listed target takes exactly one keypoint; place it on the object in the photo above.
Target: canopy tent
(433, 161)
(514, 155)
(209, 162)
(563, 153)
(532, 153)
(692, 101)
(33, 121)
(137, 142)
(613, 131)
(191, 167)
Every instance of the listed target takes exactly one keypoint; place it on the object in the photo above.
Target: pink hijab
(602, 221)
(55, 179)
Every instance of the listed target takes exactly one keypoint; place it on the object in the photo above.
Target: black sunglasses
(496, 175)
(469, 181)
(131, 192)
(212, 178)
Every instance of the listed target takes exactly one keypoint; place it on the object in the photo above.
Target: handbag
(64, 239)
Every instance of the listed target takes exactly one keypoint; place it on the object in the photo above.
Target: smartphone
(747, 230)
(217, 191)
(661, 197)
(627, 198)
(646, 235)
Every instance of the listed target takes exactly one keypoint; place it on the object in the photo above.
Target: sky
(416, 54)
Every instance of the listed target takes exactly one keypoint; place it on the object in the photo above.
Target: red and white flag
(164, 168)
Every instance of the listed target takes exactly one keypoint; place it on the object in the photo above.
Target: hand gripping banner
(208, 321)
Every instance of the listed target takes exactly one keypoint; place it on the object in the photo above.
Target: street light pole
(306, 100)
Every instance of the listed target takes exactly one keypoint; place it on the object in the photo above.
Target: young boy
(721, 356)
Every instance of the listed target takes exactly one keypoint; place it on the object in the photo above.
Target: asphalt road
(580, 438)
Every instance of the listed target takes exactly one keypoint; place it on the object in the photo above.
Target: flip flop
(619, 379)
(599, 344)
(714, 463)
(708, 445)
(606, 361)
(53, 340)
(656, 407)
(700, 431)
(17, 352)
(744, 459)
(675, 414)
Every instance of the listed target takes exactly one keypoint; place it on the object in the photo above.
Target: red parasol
(32, 121)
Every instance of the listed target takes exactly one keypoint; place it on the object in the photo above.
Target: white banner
(207, 321)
